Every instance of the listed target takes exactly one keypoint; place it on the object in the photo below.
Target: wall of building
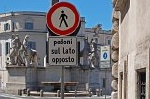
(134, 29)
(17, 21)
(134, 44)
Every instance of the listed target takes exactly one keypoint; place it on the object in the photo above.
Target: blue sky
(94, 11)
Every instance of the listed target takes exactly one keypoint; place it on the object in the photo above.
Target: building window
(79, 52)
(109, 42)
(104, 82)
(6, 26)
(142, 85)
(32, 45)
(29, 25)
(7, 48)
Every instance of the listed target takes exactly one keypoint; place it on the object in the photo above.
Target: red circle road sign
(63, 18)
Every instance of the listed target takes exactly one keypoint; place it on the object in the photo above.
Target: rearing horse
(31, 54)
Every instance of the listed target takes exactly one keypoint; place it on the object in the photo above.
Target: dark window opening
(7, 48)
(104, 82)
(142, 85)
(6, 26)
(109, 42)
(78, 53)
(29, 25)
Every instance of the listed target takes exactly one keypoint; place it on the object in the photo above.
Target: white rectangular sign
(63, 51)
(105, 56)
(105, 53)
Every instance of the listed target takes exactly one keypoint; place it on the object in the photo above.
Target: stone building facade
(130, 43)
(14, 77)
(20, 23)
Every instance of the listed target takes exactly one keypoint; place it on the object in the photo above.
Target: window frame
(7, 48)
(6, 26)
(29, 25)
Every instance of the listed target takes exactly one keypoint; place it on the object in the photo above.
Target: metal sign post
(62, 83)
(63, 52)
(105, 81)
(105, 61)
(62, 20)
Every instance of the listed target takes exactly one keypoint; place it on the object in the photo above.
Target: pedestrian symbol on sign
(105, 55)
(63, 18)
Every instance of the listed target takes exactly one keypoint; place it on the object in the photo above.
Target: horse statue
(32, 57)
(31, 54)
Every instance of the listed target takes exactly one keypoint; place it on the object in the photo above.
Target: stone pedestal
(20, 78)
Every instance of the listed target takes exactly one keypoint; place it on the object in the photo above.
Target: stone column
(148, 78)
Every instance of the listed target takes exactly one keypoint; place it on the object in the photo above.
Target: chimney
(54, 1)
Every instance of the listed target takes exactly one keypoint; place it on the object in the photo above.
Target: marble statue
(30, 55)
(91, 55)
(97, 29)
(20, 54)
(16, 44)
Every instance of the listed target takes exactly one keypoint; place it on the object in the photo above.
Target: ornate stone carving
(115, 26)
(115, 70)
(114, 85)
(115, 56)
(97, 29)
(114, 2)
(115, 16)
(115, 41)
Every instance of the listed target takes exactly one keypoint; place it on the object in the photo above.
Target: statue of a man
(14, 49)
(25, 42)
(97, 28)
(25, 50)
(92, 53)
